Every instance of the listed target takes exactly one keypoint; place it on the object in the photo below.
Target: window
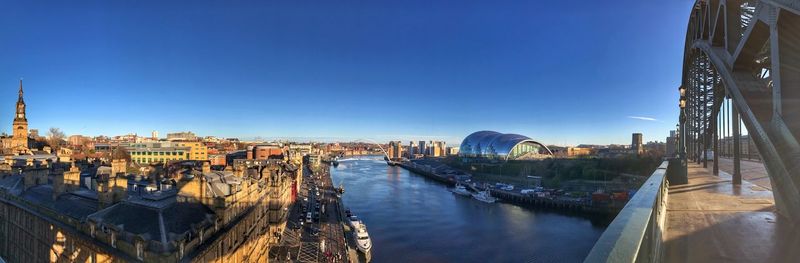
(139, 250)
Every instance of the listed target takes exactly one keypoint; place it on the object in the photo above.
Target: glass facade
(501, 146)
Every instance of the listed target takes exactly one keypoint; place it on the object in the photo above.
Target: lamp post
(676, 143)
(682, 173)
(682, 124)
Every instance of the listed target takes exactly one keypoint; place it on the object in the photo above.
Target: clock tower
(20, 135)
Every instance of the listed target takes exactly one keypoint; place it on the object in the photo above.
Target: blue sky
(562, 72)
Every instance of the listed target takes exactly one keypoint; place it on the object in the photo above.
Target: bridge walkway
(752, 171)
(711, 220)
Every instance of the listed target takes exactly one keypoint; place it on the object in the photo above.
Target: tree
(120, 153)
(55, 138)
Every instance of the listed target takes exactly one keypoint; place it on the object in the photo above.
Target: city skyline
(411, 131)
(379, 138)
(373, 74)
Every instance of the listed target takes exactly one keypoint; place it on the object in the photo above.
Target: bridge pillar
(715, 142)
(705, 113)
(736, 122)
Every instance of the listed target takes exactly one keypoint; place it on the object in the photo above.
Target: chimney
(118, 166)
(58, 184)
(250, 150)
(72, 178)
(206, 167)
(120, 189)
(238, 171)
(35, 176)
(193, 188)
(29, 178)
(104, 194)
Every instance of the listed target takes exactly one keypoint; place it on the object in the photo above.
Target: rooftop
(165, 224)
(75, 206)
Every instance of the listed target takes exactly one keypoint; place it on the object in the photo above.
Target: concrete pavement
(753, 172)
(712, 220)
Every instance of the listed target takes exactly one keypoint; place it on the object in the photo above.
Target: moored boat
(484, 196)
(461, 190)
(363, 242)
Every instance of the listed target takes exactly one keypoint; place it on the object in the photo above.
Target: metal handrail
(635, 234)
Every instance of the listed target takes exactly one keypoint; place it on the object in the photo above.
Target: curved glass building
(501, 146)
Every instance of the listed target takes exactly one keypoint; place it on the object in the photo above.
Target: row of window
(150, 160)
(159, 153)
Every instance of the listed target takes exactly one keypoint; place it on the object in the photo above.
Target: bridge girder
(748, 51)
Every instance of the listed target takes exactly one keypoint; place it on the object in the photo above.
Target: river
(411, 218)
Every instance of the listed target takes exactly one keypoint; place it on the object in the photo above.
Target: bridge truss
(742, 67)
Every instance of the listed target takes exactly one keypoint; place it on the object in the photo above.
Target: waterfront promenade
(319, 241)
(711, 220)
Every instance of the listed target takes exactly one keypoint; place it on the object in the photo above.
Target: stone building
(18, 142)
(180, 213)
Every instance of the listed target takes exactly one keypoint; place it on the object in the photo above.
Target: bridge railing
(635, 234)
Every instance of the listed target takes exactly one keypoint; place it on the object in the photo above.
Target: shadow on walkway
(712, 220)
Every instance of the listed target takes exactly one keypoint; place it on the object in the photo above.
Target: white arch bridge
(370, 141)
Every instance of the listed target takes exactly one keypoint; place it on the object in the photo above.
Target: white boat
(461, 190)
(363, 242)
(484, 196)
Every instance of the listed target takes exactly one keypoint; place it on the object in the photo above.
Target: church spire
(20, 104)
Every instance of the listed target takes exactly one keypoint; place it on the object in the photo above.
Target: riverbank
(343, 233)
(412, 218)
(544, 198)
(449, 180)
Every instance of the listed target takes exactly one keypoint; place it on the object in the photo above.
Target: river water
(411, 218)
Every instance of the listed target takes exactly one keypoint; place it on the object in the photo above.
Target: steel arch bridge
(742, 65)
(385, 153)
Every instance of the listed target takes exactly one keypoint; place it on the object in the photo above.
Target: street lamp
(682, 123)
(680, 177)
(676, 142)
